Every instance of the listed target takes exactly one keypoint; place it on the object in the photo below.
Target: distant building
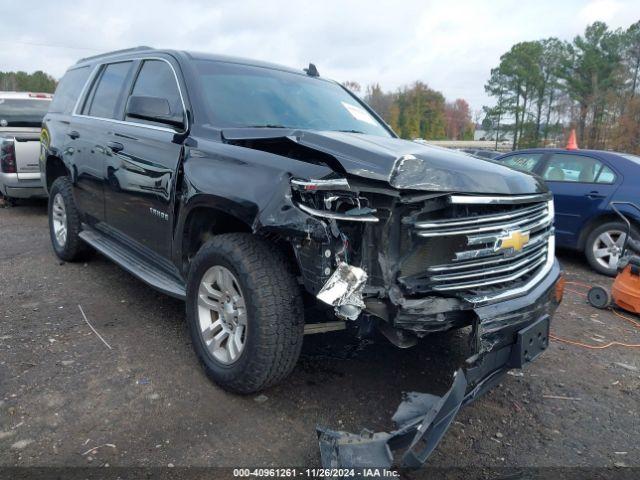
(480, 134)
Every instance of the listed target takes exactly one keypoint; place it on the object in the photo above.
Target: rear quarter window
(606, 175)
(69, 90)
(526, 162)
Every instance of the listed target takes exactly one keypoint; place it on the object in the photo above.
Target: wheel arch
(209, 216)
(595, 222)
(54, 168)
(203, 220)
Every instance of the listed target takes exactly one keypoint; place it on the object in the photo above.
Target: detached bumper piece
(422, 420)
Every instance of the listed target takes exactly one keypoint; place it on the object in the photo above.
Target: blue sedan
(584, 182)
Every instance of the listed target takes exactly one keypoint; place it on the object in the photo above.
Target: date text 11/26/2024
(315, 473)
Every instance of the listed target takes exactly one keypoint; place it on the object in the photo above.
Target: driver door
(141, 162)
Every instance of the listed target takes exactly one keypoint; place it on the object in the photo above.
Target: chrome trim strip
(135, 124)
(522, 290)
(481, 219)
(337, 216)
(498, 200)
(490, 261)
(500, 269)
(539, 223)
(488, 228)
(335, 183)
(490, 251)
(493, 281)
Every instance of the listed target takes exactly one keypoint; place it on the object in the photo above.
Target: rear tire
(64, 222)
(604, 247)
(238, 282)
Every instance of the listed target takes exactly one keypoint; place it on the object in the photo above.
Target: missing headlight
(331, 199)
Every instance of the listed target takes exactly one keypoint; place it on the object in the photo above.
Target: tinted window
(18, 112)
(247, 96)
(606, 175)
(69, 90)
(565, 167)
(487, 154)
(156, 79)
(107, 93)
(523, 161)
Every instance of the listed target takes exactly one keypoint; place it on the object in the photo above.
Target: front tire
(603, 247)
(64, 222)
(244, 312)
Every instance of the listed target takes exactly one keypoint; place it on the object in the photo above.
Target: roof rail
(115, 52)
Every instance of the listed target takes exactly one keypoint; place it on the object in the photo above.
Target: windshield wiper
(349, 131)
(268, 125)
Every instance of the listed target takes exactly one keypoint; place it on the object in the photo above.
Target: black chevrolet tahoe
(258, 193)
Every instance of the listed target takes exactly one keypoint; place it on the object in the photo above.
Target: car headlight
(333, 199)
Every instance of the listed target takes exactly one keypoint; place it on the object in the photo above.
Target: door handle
(73, 134)
(115, 146)
(595, 195)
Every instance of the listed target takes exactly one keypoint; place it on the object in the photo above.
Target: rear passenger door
(141, 162)
(89, 135)
(581, 184)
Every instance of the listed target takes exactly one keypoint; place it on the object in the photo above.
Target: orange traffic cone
(572, 144)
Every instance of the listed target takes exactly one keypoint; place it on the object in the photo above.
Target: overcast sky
(451, 45)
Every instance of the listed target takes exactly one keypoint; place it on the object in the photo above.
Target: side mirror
(153, 109)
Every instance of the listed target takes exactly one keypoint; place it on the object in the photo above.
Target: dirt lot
(146, 402)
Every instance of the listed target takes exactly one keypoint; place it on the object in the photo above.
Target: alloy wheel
(608, 247)
(59, 220)
(222, 314)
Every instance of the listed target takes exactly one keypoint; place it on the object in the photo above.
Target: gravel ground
(146, 402)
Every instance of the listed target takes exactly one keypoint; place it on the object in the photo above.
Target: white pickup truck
(21, 116)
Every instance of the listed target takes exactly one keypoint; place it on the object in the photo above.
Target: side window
(606, 175)
(523, 161)
(156, 79)
(107, 92)
(69, 90)
(565, 167)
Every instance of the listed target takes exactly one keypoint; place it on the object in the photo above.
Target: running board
(311, 328)
(154, 276)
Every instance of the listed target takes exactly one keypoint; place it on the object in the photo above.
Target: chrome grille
(478, 260)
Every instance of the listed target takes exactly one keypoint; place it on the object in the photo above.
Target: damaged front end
(414, 263)
(405, 237)
(510, 336)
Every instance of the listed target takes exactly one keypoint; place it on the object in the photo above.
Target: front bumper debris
(421, 420)
(343, 290)
(507, 335)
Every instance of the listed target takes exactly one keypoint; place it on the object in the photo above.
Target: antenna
(312, 71)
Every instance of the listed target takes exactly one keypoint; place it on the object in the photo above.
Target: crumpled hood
(405, 164)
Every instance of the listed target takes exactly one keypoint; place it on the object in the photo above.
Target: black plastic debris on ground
(421, 421)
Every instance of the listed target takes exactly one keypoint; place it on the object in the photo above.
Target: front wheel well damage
(203, 223)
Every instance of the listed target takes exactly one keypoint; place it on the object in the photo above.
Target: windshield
(247, 96)
(18, 112)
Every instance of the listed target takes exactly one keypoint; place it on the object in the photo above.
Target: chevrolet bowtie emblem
(512, 242)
